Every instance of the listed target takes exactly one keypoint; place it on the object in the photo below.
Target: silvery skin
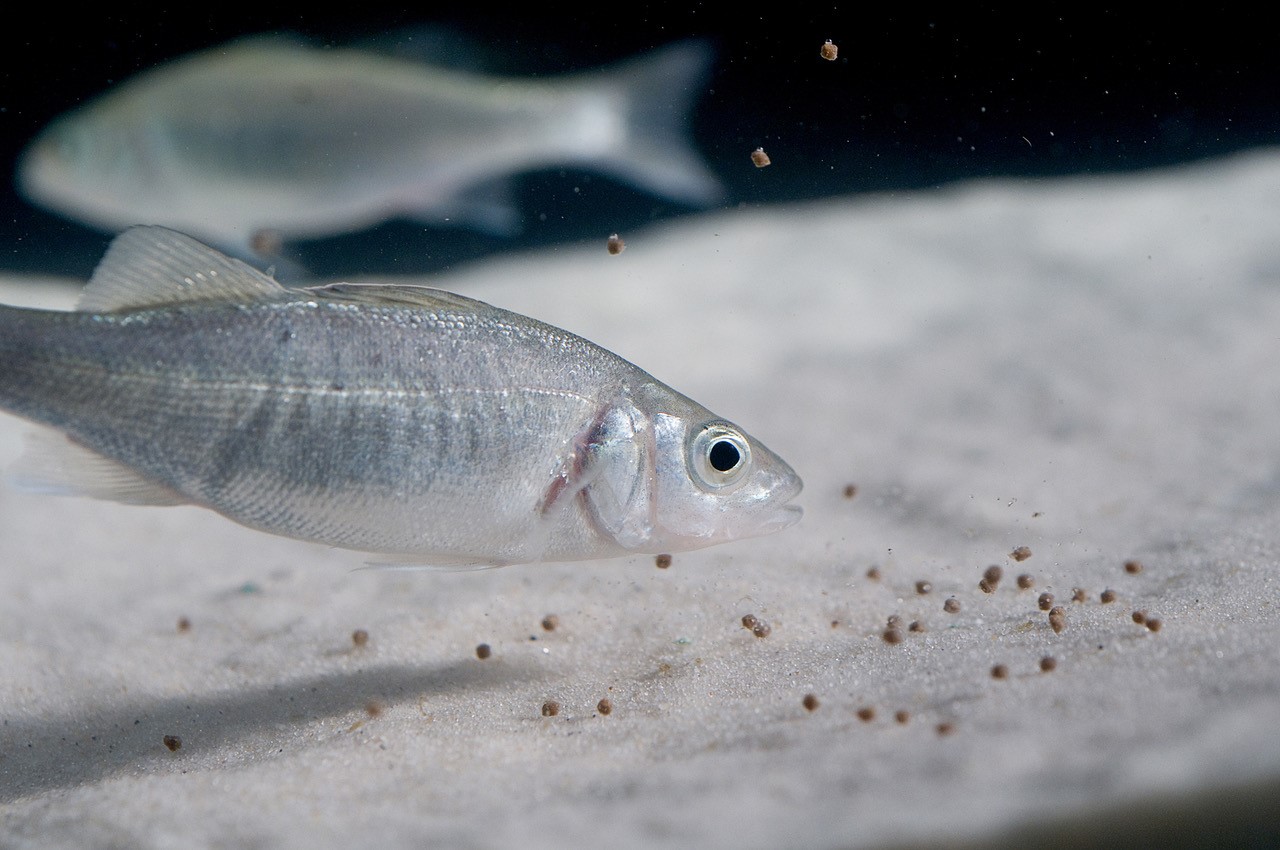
(267, 135)
(403, 421)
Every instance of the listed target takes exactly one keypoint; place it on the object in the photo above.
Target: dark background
(916, 101)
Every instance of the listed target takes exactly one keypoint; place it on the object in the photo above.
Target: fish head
(667, 475)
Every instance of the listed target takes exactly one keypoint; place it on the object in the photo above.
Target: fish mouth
(781, 517)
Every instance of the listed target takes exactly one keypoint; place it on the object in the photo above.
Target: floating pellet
(605, 706)
(916, 626)
(894, 621)
(761, 629)
(902, 716)
(373, 708)
(1154, 624)
(759, 158)
(892, 636)
(993, 574)
(550, 622)
(749, 621)
(810, 702)
(873, 573)
(1048, 664)
(951, 606)
(1139, 617)
(1133, 567)
(1045, 601)
(173, 742)
(1000, 671)
(850, 490)
(1026, 582)
(1079, 594)
(1021, 553)
(614, 245)
(923, 587)
(1107, 596)
(662, 562)
(184, 625)
(986, 586)
(866, 714)
(360, 637)
(550, 708)
(945, 729)
(828, 51)
(483, 651)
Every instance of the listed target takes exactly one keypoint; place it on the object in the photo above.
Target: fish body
(270, 136)
(397, 420)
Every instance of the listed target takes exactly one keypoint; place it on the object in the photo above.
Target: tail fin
(657, 91)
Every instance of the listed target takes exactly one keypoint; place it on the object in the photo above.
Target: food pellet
(1139, 617)
(916, 626)
(866, 714)
(1045, 601)
(951, 606)
(1079, 594)
(373, 708)
(550, 708)
(483, 651)
(1108, 596)
(946, 728)
(184, 625)
(1133, 567)
(892, 636)
(749, 621)
(923, 587)
(1048, 663)
(761, 629)
(986, 586)
(173, 742)
(615, 245)
(828, 51)
(550, 622)
(810, 702)
(759, 158)
(894, 621)
(993, 574)
(1021, 553)
(999, 672)
(874, 573)
(605, 706)
(850, 490)
(902, 716)
(1025, 581)
(1154, 624)
(662, 562)
(360, 637)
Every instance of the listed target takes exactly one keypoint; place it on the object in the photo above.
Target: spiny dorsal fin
(153, 266)
(400, 295)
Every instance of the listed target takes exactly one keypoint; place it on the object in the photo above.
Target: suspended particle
(360, 637)
(1000, 671)
(1133, 567)
(828, 51)
(483, 651)
(902, 716)
(986, 586)
(184, 625)
(1057, 620)
(916, 626)
(810, 702)
(923, 587)
(1045, 601)
(749, 621)
(1140, 617)
(992, 575)
(1026, 582)
(873, 573)
(1021, 553)
(615, 245)
(1079, 594)
(1154, 624)
(373, 708)
(1048, 664)
(759, 158)
(173, 742)
(662, 562)
(605, 706)
(550, 708)
(951, 606)
(892, 636)
(850, 490)
(945, 729)
(266, 242)
(550, 622)
(866, 714)
(1108, 596)
(894, 621)
(761, 629)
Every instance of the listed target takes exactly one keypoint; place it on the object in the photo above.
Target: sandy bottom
(1086, 368)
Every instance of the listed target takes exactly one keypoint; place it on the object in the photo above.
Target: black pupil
(724, 455)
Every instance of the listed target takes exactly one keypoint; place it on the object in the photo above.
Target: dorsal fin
(400, 295)
(151, 266)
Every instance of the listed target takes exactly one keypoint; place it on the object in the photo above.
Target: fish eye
(718, 456)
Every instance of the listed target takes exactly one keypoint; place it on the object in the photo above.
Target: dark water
(914, 102)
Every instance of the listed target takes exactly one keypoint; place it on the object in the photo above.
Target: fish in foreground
(399, 420)
(268, 136)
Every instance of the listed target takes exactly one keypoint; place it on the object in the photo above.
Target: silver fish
(392, 419)
(269, 136)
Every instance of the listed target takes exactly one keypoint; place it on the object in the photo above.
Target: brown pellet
(1107, 596)
(173, 742)
(1079, 594)
(1048, 664)
(1045, 601)
(1021, 553)
(550, 708)
(902, 716)
(866, 714)
(894, 621)
(761, 629)
(999, 672)
(945, 729)
(828, 51)
(874, 573)
(483, 651)
(1139, 617)
(1057, 622)
(749, 621)
(1057, 611)
(892, 636)
(373, 708)
(360, 637)
(1133, 567)
(916, 626)
(923, 587)
(1154, 624)
(1025, 581)
(810, 702)
(759, 158)
(662, 562)
(614, 245)
(850, 490)
(993, 574)
(605, 706)
(184, 625)
(951, 606)
(550, 623)
(986, 586)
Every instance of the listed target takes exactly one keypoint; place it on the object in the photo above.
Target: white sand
(1090, 368)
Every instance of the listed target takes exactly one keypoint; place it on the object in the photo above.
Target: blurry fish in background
(267, 135)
